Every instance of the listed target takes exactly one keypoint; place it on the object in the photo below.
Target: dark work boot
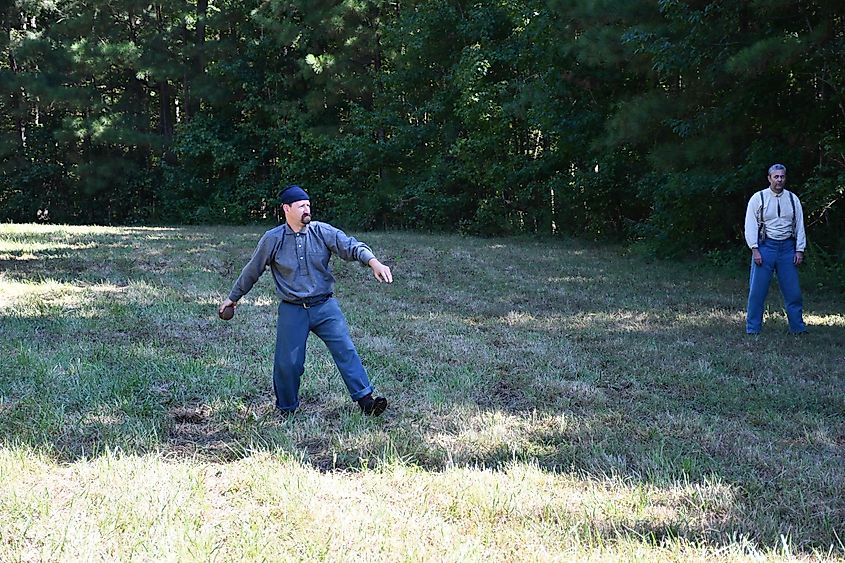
(372, 406)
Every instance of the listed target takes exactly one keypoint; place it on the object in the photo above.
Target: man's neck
(776, 191)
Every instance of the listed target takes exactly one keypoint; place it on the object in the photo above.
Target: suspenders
(761, 222)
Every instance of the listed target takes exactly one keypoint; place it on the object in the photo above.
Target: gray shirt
(299, 261)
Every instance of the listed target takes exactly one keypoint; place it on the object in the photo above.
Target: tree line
(639, 119)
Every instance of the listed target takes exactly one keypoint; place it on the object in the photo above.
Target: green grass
(550, 400)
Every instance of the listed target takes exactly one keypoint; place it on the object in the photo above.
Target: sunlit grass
(276, 508)
(550, 400)
(825, 320)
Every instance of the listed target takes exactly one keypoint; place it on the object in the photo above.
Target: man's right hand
(225, 304)
(756, 256)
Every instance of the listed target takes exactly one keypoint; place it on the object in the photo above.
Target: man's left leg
(327, 321)
(790, 288)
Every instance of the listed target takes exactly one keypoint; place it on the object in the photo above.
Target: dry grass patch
(274, 508)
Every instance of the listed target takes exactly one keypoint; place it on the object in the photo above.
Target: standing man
(297, 253)
(774, 231)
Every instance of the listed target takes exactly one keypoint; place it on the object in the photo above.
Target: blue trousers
(326, 321)
(778, 256)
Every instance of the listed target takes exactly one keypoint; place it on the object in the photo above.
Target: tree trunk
(17, 93)
(18, 103)
(166, 110)
(196, 67)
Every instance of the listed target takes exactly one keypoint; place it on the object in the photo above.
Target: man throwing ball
(297, 253)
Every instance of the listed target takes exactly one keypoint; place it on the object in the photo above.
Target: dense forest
(633, 119)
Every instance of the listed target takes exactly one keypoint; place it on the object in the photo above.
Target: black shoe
(372, 407)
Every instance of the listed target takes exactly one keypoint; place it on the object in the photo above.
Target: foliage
(634, 119)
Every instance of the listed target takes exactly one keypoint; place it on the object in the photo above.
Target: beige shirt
(777, 215)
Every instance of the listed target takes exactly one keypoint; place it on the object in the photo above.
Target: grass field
(550, 400)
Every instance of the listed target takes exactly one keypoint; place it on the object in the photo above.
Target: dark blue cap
(291, 194)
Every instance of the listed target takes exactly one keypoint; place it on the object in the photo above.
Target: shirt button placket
(300, 252)
(299, 256)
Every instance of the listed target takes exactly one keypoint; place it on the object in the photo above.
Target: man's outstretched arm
(251, 272)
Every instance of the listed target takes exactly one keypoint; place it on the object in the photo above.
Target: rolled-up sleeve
(751, 222)
(800, 235)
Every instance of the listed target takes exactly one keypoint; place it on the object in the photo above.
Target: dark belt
(780, 239)
(310, 302)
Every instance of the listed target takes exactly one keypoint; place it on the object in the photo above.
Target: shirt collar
(289, 231)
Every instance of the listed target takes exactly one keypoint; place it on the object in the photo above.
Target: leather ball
(227, 313)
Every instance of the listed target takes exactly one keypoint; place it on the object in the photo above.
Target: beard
(306, 218)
